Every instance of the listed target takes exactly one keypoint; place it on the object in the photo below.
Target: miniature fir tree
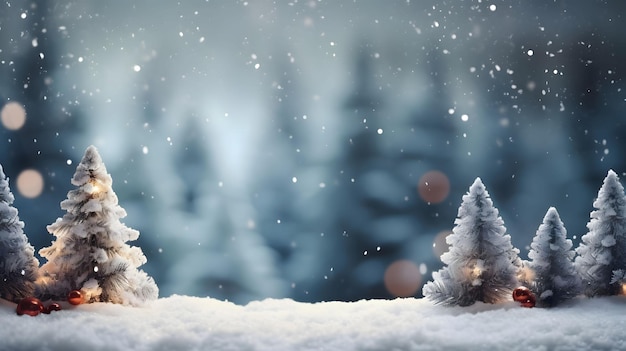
(18, 265)
(90, 253)
(554, 278)
(482, 264)
(602, 252)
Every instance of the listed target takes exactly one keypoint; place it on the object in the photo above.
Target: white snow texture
(192, 323)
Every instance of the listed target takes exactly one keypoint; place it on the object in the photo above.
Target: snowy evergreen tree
(554, 278)
(482, 264)
(18, 265)
(602, 252)
(90, 253)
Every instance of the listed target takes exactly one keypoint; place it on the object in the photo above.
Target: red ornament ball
(530, 303)
(52, 307)
(31, 306)
(524, 296)
(75, 297)
(521, 294)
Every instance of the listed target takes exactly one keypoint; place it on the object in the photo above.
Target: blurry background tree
(319, 147)
(41, 123)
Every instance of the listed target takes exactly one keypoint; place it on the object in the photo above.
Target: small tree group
(90, 253)
(483, 266)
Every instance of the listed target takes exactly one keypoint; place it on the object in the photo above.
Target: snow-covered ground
(192, 323)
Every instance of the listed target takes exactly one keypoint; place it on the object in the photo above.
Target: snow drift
(193, 323)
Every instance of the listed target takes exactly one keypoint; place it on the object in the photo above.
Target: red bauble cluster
(32, 306)
(524, 296)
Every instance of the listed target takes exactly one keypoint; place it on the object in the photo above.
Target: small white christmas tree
(602, 252)
(554, 278)
(18, 265)
(90, 253)
(482, 264)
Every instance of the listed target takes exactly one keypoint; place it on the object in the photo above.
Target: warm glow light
(624, 289)
(434, 187)
(13, 115)
(30, 183)
(526, 274)
(473, 271)
(476, 271)
(93, 187)
(403, 278)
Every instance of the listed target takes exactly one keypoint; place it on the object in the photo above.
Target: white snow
(608, 241)
(193, 323)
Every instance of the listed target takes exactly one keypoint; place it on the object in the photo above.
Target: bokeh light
(440, 246)
(403, 278)
(30, 183)
(13, 115)
(434, 187)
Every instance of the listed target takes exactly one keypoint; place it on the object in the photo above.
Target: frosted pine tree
(482, 264)
(602, 252)
(90, 253)
(18, 265)
(554, 278)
